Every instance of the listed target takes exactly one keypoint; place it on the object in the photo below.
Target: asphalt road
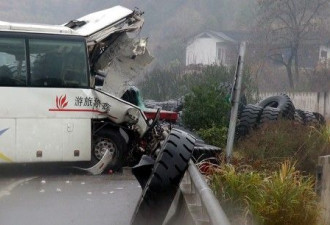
(51, 195)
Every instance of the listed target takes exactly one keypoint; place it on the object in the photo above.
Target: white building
(324, 55)
(211, 48)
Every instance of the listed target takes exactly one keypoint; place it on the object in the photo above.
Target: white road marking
(6, 191)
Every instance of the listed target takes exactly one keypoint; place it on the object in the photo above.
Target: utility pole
(235, 98)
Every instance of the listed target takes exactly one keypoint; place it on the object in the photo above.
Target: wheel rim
(102, 146)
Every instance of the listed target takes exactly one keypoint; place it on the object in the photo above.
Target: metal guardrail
(209, 203)
(195, 203)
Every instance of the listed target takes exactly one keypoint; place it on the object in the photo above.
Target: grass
(275, 142)
(281, 197)
(270, 180)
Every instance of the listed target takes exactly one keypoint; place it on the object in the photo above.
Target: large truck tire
(320, 118)
(299, 116)
(162, 185)
(248, 119)
(270, 114)
(310, 119)
(205, 152)
(281, 102)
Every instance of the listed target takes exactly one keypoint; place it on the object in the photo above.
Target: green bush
(216, 136)
(205, 107)
(278, 198)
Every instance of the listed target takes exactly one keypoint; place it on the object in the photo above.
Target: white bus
(49, 108)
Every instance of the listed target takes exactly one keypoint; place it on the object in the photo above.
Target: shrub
(205, 107)
(288, 198)
(277, 141)
(282, 197)
(216, 136)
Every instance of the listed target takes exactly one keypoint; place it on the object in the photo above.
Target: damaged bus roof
(36, 28)
(97, 21)
(111, 49)
(86, 26)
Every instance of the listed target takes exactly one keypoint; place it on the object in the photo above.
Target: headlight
(133, 115)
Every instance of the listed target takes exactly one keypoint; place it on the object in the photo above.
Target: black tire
(299, 116)
(114, 142)
(270, 114)
(249, 119)
(160, 190)
(205, 152)
(320, 118)
(282, 102)
(310, 119)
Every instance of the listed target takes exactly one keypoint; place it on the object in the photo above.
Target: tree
(286, 25)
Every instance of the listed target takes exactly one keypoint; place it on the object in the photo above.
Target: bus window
(58, 63)
(12, 62)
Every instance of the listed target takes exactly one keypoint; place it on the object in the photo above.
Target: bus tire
(111, 140)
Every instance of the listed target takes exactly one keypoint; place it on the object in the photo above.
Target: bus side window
(46, 70)
(12, 62)
(54, 63)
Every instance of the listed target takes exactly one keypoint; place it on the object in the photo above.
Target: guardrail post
(235, 98)
(323, 185)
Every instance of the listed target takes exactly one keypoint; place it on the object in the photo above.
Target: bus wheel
(112, 141)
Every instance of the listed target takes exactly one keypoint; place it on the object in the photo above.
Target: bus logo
(61, 102)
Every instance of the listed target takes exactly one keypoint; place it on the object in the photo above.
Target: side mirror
(98, 79)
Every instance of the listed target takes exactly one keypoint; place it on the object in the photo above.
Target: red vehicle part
(168, 116)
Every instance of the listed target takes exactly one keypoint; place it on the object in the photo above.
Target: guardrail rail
(195, 202)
